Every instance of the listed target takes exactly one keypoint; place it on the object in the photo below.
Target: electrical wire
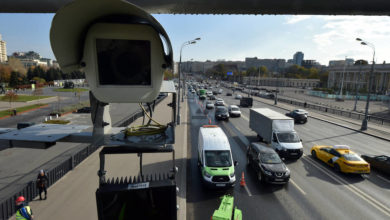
(148, 129)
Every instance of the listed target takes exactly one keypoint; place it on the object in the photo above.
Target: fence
(348, 114)
(30, 191)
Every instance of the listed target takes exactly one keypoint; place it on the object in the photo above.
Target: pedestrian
(14, 111)
(23, 210)
(42, 181)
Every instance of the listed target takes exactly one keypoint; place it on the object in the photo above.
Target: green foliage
(21, 109)
(22, 98)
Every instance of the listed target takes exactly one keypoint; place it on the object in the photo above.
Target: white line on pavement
(378, 205)
(247, 191)
(296, 186)
(383, 178)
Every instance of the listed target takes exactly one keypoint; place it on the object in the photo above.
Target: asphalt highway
(315, 191)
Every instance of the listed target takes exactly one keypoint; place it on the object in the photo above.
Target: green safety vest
(19, 215)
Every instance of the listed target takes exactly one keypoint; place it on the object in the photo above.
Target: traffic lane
(319, 190)
(318, 132)
(374, 187)
(263, 202)
(359, 142)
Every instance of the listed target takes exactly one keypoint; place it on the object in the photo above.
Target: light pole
(365, 120)
(182, 86)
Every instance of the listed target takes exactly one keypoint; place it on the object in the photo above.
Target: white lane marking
(296, 186)
(378, 205)
(247, 190)
(383, 178)
(244, 117)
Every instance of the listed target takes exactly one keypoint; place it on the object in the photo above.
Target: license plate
(278, 179)
(220, 184)
(294, 153)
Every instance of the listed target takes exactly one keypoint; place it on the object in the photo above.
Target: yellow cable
(145, 129)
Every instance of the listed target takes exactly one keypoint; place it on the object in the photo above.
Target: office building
(3, 51)
(298, 58)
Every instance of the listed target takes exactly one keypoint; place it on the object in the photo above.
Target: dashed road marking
(296, 186)
(247, 190)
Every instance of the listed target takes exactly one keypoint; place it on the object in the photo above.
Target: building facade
(273, 65)
(298, 58)
(356, 77)
(3, 51)
(281, 82)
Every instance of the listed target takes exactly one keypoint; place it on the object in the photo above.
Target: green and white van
(215, 159)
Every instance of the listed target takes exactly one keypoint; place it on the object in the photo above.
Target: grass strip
(20, 109)
(25, 98)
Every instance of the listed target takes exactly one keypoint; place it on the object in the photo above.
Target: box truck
(277, 130)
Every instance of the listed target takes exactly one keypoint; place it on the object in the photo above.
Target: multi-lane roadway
(315, 191)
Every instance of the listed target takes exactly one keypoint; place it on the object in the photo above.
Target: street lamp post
(365, 120)
(182, 86)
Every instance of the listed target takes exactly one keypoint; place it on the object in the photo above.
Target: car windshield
(352, 157)
(235, 109)
(218, 158)
(221, 110)
(288, 137)
(270, 158)
(208, 102)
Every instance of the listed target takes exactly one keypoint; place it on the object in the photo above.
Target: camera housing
(124, 62)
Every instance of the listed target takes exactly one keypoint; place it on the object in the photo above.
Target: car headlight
(266, 172)
(206, 174)
(287, 172)
(232, 175)
(218, 115)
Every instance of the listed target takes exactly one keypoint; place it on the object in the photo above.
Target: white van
(215, 159)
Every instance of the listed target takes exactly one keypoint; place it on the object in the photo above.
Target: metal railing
(348, 114)
(30, 190)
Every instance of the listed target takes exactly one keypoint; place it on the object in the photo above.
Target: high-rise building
(3, 51)
(298, 58)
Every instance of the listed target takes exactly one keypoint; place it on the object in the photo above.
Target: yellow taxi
(341, 158)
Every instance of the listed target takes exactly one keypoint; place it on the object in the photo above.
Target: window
(218, 158)
(270, 158)
(288, 138)
(352, 157)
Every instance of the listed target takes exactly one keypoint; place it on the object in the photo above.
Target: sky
(234, 37)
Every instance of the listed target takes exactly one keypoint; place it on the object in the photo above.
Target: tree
(263, 71)
(5, 73)
(13, 81)
(16, 65)
(168, 75)
(10, 96)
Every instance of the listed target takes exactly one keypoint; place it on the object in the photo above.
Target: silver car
(234, 111)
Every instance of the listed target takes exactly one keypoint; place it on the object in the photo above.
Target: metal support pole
(365, 120)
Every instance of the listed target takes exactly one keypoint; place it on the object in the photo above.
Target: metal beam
(315, 7)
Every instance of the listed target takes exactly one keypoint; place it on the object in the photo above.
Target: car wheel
(314, 154)
(337, 167)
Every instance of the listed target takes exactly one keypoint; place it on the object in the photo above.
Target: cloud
(296, 18)
(337, 36)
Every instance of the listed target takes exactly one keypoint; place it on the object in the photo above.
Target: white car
(234, 111)
(209, 105)
(219, 102)
(301, 111)
(238, 96)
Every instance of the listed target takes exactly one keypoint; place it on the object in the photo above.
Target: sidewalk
(73, 197)
(376, 130)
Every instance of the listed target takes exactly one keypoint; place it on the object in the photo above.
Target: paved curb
(38, 100)
(331, 122)
(29, 110)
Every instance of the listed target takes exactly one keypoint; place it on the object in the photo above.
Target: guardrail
(348, 114)
(30, 191)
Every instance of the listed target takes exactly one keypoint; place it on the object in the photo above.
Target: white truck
(277, 130)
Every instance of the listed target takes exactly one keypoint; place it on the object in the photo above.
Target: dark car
(229, 94)
(221, 113)
(380, 163)
(212, 97)
(299, 117)
(267, 164)
(84, 110)
(246, 102)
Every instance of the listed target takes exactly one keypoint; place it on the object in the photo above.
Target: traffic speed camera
(122, 49)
